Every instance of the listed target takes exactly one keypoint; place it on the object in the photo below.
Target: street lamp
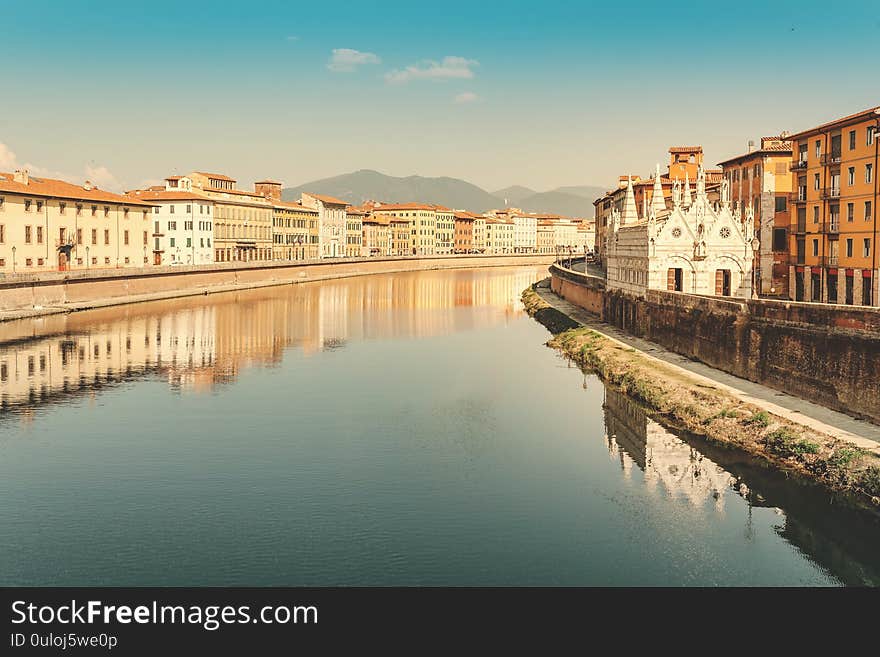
(13, 259)
(88, 260)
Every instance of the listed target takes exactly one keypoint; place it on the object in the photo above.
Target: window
(171, 209)
(781, 203)
(125, 237)
(39, 206)
(868, 215)
(816, 181)
(852, 140)
(40, 234)
(815, 214)
(189, 209)
(780, 239)
(851, 176)
(79, 236)
(850, 211)
(870, 135)
(79, 209)
(125, 213)
(818, 149)
(156, 210)
(106, 237)
(94, 210)
(62, 207)
(866, 247)
(849, 247)
(2, 233)
(815, 247)
(188, 242)
(94, 236)
(145, 238)
(2, 200)
(27, 205)
(869, 173)
(171, 242)
(27, 234)
(106, 211)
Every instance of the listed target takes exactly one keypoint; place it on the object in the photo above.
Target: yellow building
(422, 220)
(354, 232)
(377, 235)
(242, 220)
(48, 224)
(294, 226)
(499, 236)
(399, 234)
(480, 235)
(445, 230)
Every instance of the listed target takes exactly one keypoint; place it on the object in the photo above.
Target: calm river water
(395, 429)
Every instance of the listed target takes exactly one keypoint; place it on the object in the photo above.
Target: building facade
(463, 237)
(242, 220)
(444, 236)
(354, 232)
(698, 246)
(833, 230)
(499, 236)
(377, 235)
(331, 223)
(422, 219)
(53, 225)
(761, 178)
(183, 226)
(525, 232)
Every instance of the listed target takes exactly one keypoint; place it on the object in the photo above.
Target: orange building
(760, 178)
(464, 232)
(834, 218)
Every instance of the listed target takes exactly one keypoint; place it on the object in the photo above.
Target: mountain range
(366, 185)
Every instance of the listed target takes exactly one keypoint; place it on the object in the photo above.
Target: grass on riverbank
(712, 413)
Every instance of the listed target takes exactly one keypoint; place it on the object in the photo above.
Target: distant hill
(590, 192)
(366, 184)
(514, 194)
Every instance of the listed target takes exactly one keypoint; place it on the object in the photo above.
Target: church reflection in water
(673, 466)
(198, 343)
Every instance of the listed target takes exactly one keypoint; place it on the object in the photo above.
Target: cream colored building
(377, 235)
(49, 225)
(499, 236)
(444, 242)
(480, 235)
(331, 223)
(422, 223)
(294, 226)
(242, 220)
(354, 232)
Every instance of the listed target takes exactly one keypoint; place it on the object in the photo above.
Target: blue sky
(535, 93)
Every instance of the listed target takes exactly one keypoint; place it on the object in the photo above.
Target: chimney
(751, 145)
(87, 185)
(21, 176)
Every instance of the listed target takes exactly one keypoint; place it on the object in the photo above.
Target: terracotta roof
(215, 176)
(162, 195)
(354, 210)
(461, 214)
(49, 187)
(770, 150)
(329, 200)
(267, 181)
(293, 206)
(873, 112)
(441, 208)
(405, 206)
(173, 177)
(685, 149)
(235, 192)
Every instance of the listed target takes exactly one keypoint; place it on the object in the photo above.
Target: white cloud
(451, 68)
(466, 97)
(101, 176)
(346, 60)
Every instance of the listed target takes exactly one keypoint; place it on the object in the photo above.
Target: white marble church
(696, 247)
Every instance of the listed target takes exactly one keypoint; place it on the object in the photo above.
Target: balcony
(831, 192)
(830, 261)
(832, 226)
(830, 158)
(799, 196)
(800, 165)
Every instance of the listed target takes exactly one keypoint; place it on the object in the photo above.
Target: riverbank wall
(827, 354)
(26, 295)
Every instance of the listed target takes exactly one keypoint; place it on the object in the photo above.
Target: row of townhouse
(813, 196)
(202, 218)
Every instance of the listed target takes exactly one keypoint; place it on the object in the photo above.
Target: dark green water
(398, 429)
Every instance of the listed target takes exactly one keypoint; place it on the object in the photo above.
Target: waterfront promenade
(861, 433)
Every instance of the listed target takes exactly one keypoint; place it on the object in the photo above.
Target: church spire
(687, 190)
(630, 214)
(658, 203)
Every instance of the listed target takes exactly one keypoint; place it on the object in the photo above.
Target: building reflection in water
(833, 537)
(197, 343)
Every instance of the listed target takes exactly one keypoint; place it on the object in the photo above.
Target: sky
(541, 94)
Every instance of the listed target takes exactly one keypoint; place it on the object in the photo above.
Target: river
(401, 429)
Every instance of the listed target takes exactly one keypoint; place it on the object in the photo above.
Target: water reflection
(831, 536)
(199, 343)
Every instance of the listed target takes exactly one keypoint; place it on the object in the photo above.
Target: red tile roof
(685, 149)
(162, 195)
(215, 176)
(873, 112)
(405, 206)
(50, 187)
(293, 206)
(328, 200)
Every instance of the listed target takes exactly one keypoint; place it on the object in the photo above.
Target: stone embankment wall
(58, 289)
(824, 353)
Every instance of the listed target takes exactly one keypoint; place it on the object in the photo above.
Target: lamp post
(13, 259)
(88, 260)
